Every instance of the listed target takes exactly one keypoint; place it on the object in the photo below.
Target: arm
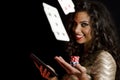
(104, 67)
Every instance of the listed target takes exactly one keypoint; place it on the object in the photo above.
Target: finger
(48, 74)
(80, 68)
(63, 63)
(44, 72)
(36, 64)
(41, 70)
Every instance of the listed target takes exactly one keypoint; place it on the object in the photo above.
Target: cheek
(88, 33)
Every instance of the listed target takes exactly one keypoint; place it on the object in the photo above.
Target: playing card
(67, 6)
(55, 22)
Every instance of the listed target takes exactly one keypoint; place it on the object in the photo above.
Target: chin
(80, 42)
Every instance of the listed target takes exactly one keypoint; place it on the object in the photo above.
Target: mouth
(78, 36)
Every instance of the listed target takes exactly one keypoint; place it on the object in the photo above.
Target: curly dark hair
(104, 32)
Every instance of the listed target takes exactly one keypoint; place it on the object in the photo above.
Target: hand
(77, 70)
(44, 72)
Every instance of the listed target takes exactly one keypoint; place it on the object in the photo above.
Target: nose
(78, 29)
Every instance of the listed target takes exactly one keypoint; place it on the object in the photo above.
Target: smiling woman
(81, 27)
(93, 38)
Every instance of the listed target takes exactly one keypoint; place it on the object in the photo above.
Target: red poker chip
(75, 58)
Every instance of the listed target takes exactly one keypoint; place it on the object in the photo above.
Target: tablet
(40, 62)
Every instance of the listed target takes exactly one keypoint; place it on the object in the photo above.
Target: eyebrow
(84, 21)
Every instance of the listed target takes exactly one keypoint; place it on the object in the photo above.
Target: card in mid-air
(55, 22)
(67, 6)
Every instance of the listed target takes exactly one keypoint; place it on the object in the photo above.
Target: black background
(26, 29)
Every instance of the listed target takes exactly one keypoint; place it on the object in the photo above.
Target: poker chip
(74, 60)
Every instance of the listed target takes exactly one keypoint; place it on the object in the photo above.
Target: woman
(93, 39)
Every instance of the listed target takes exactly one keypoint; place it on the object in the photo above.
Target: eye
(84, 24)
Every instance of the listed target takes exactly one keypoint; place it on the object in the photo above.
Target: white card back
(67, 6)
(55, 22)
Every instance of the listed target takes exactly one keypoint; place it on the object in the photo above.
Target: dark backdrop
(31, 32)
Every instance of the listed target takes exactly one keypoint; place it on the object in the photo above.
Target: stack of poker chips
(74, 60)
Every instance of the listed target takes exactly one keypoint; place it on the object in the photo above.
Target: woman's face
(82, 28)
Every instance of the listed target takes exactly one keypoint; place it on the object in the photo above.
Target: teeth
(79, 36)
